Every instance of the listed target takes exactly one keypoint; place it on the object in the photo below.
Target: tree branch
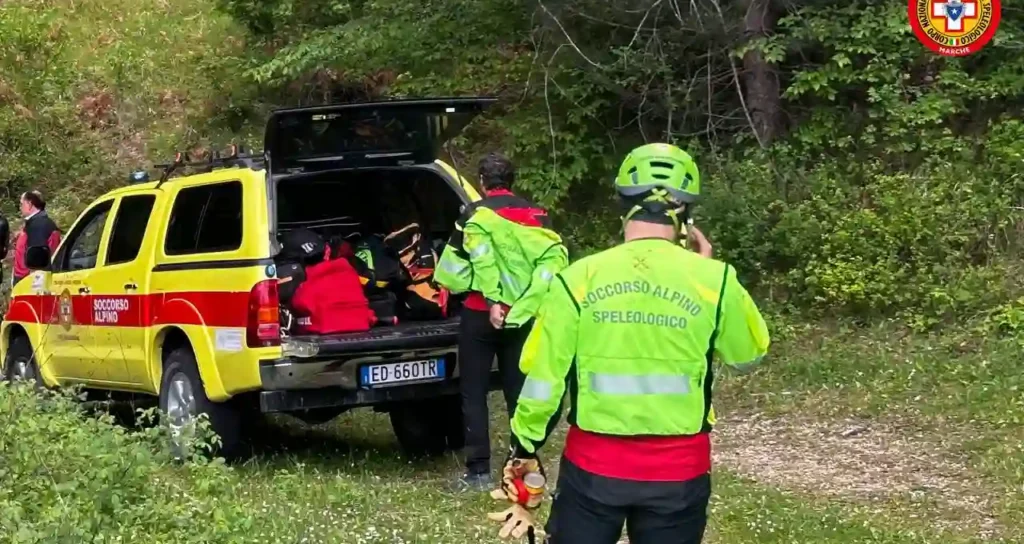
(567, 36)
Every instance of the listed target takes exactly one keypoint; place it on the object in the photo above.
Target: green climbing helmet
(659, 171)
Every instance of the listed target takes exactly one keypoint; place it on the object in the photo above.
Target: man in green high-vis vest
(503, 255)
(629, 334)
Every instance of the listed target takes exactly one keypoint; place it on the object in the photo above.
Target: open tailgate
(391, 133)
(413, 335)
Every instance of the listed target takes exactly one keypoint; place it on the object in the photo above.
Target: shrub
(71, 478)
(925, 244)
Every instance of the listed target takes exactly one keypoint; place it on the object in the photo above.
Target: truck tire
(183, 398)
(20, 364)
(428, 427)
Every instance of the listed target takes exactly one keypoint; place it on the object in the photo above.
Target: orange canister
(534, 483)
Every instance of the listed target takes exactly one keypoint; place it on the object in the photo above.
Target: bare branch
(567, 36)
(739, 86)
(536, 57)
(551, 119)
(671, 109)
(641, 25)
(551, 127)
(710, 126)
(595, 19)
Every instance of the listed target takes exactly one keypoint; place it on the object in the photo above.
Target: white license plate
(404, 372)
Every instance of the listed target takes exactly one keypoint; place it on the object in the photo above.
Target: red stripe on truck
(209, 308)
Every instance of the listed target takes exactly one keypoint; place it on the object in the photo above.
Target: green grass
(347, 481)
(963, 391)
(350, 479)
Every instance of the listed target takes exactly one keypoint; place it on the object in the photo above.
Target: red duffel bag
(331, 300)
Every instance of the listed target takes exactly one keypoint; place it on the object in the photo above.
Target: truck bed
(409, 335)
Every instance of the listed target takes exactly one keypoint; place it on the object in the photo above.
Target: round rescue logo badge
(954, 28)
(64, 313)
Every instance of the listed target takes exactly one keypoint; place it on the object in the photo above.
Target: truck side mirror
(37, 258)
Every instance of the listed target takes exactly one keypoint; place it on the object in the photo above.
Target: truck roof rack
(236, 157)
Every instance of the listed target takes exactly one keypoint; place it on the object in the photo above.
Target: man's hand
(522, 482)
(698, 242)
(498, 314)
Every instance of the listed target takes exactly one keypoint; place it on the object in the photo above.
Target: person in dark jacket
(38, 231)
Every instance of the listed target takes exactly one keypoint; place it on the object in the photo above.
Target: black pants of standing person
(591, 509)
(479, 344)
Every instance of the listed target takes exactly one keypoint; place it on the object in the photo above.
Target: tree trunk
(760, 80)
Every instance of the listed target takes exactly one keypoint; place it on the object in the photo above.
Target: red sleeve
(20, 245)
(54, 241)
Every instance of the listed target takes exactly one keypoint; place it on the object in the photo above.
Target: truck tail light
(264, 328)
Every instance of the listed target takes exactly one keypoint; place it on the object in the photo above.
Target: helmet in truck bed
(303, 246)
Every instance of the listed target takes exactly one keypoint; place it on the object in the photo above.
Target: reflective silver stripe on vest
(624, 384)
(536, 390)
(510, 282)
(479, 250)
(545, 275)
(454, 267)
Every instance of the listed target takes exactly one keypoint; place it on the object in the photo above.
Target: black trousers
(479, 344)
(591, 509)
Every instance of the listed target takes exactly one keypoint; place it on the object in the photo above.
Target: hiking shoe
(473, 482)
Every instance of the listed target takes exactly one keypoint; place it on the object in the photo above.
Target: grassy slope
(91, 89)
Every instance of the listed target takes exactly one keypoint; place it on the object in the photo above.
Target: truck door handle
(83, 291)
(129, 286)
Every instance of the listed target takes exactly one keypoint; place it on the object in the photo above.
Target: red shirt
(38, 230)
(640, 458)
(521, 215)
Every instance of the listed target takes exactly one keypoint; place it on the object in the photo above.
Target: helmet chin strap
(656, 212)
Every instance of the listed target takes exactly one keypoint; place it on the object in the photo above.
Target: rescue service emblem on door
(64, 313)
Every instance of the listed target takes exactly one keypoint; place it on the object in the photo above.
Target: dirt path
(856, 461)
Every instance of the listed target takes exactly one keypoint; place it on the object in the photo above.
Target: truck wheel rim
(181, 412)
(19, 369)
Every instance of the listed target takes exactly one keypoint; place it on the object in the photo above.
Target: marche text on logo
(954, 28)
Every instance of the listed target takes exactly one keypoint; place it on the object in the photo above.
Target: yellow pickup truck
(169, 288)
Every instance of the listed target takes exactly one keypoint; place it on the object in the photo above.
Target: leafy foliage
(899, 191)
(69, 478)
(896, 189)
(848, 167)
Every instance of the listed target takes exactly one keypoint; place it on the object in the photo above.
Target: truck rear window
(205, 219)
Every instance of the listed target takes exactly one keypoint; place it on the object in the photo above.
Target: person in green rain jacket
(629, 334)
(503, 256)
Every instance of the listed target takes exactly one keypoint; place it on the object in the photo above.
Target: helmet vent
(661, 164)
(659, 176)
